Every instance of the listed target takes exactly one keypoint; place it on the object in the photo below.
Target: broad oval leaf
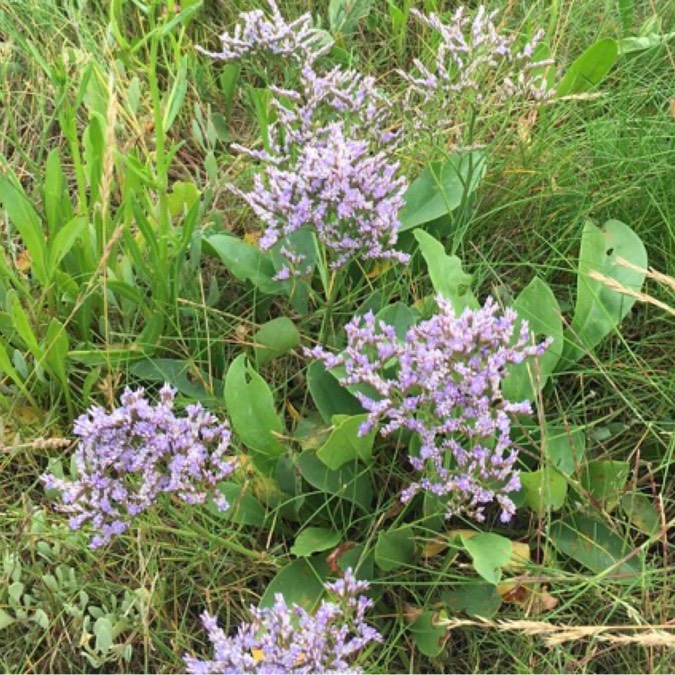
(345, 483)
(594, 545)
(537, 305)
(314, 539)
(441, 188)
(243, 509)
(328, 395)
(545, 490)
(429, 638)
(275, 338)
(605, 480)
(300, 582)
(245, 262)
(345, 444)
(250, 406)
(395, 548)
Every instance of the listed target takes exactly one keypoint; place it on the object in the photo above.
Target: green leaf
(330, 398)
(27, 223)
(275, 338)
(184, 375)
(315, 539)
(56, 200)
(345, 483)
(103, 630)
(245, 262)
(344, 15)
(400, 317)
(631, 45)
(345, 444)
(183, 197)
(605, 480)
(64, 241)
(395, 548)
(5, 619)
(24, 329)
(489, 553)
(589, 69)
(594, 545)
(545, 490)
(300, 582)
(537, 305)
(244, 508)
(429, 638)
(600, 309)
(641, 512)
(446, 273)
(564, 448)
(56, 351)
(250, 406)
(441, 188)
(176, 96)
(476, 599)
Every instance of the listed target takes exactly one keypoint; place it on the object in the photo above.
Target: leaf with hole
(600, 308)
(441, 188)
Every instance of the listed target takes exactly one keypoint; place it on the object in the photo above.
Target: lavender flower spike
(125, 459)
(257, 34)
(283, 639)
(443, 382)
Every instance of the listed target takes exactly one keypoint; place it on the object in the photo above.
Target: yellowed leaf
(24, 262)
(519, 558)
(532, 598)
(295, 415)
(379, 269)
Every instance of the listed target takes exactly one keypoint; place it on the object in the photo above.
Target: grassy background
(610, 156)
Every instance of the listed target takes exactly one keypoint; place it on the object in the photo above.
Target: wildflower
(125, 459)
(258, 34)
(283, 639)
(443, 382)
(336, 187)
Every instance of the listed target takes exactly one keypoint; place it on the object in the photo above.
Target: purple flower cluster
(475, 62)
(125, 459)
(329, 167)
(283, 639)
(444, 383)
(256, 34)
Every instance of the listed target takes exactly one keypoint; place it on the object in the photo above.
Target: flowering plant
(443, 382)
(127, 458)
(283, 639)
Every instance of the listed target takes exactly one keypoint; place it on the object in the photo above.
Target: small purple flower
(125, 459)
(283, 639)
(443, 382)
(257, 34)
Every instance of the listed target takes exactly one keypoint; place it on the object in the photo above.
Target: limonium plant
(127, 458)
(475, 63)
(443, 382)
(283, 639)
(329, 167)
